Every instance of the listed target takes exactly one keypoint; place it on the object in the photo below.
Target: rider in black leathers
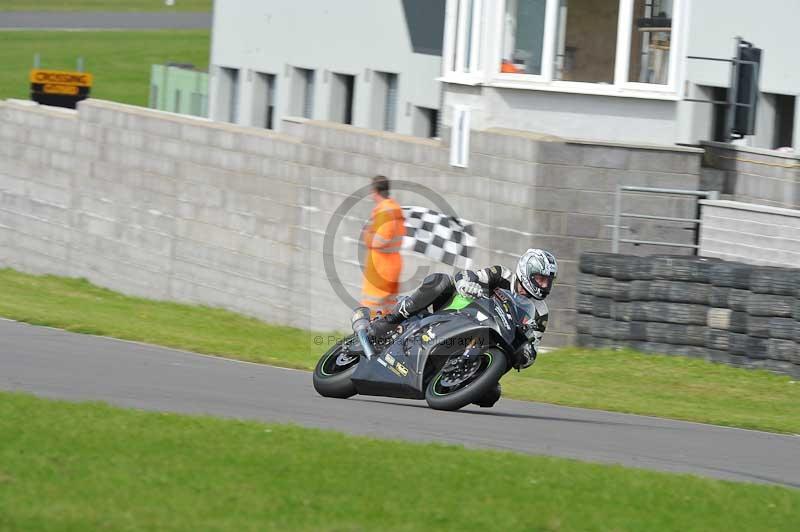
(534, 276)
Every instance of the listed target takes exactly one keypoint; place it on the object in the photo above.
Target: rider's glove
(527, 355)
(468, 288)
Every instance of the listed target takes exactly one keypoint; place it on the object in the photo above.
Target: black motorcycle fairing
(404, 367)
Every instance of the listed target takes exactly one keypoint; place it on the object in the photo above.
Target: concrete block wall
(752, 175)
(175, 207)
(750, 233)
(524, 190)
(38, 165)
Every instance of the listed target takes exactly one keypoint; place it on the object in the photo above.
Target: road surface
(58, 364)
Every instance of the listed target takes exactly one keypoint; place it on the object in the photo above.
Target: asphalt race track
(64, 365)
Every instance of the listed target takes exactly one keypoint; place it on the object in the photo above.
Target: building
(368, 63)
(617, 70)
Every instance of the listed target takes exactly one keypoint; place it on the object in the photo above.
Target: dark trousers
(436, 290)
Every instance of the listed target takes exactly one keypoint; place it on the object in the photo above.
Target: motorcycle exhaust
(360, 322)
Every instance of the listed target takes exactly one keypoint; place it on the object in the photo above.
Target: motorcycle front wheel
(459, 383)
(334, 369)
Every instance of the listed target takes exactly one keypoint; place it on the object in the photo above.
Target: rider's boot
(490, 398)
(434, 290)
(381, 326)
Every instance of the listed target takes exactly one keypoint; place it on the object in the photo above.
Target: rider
(533, 278)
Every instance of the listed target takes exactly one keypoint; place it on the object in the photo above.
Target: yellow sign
(60, 77)
(401, 369)
(50, 88)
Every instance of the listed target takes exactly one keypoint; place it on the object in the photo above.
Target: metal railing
(618, 215)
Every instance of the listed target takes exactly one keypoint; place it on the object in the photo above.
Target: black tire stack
(773, 310)
(700, 307)
(601, 301)
(726, 338)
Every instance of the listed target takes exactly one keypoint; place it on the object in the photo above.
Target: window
(341, 104)
(426, 122)
(587, 39)
(464, 40)
(613, 47)
(383, 113)
(264, 100)
(784, 120)
(523, 36)
(651, 41)
(228, 94)
(719, 120)
(302, 103)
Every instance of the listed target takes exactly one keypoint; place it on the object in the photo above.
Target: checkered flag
(439, 237)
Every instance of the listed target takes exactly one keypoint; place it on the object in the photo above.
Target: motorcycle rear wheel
(486, 376)
(333, 372)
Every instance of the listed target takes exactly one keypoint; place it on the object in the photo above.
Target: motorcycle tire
(493, 367)
(332, 378)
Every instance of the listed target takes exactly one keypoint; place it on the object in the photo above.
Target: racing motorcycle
(450, 358)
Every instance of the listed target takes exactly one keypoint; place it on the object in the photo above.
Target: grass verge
(78, 306)
(88, 466)
(105, 5)
(671, 387)
(119, 60)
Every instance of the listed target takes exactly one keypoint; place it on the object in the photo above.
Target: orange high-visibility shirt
(383, 240)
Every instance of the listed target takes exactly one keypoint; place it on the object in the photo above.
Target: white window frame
(548, 48)
(455, 48)
(675, 53)
(493, 36)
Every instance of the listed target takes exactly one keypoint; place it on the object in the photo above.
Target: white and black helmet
(532, 268)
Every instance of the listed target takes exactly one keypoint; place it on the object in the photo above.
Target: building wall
(579, 116)
(712, 26)
(348, 37)
(768, 24)
(752, 175)
(754, 234)
(174, 207)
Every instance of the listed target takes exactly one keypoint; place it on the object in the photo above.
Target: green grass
(104, 5)
(89, 466)
(119, 60)
(78, 306)
(663, 386)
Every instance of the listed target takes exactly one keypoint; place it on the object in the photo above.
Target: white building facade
(617, 70)
(368, 63)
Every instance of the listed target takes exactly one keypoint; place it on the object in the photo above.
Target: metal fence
(619, 215)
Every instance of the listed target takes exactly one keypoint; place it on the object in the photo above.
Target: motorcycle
(451, 358)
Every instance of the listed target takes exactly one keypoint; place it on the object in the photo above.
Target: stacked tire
(727, 337)
(595, 303)
(722, 311)
(773, 310)
(652, 304)
(671, 305)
